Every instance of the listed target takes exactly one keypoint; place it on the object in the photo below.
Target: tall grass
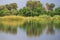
(20, 20)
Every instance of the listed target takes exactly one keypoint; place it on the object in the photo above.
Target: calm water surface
(21, 34)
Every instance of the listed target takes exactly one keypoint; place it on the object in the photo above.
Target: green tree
(13, 6)
(33, 4)
(50, 6)
(25, 11)
(57, 10)
(51, 13)
(4, 12)
(33, 8)
(13, 12)
(40, 10)
(8, 7)
(1, 7)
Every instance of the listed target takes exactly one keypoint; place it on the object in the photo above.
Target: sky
(22, 3)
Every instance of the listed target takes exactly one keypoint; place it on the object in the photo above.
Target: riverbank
(19, 20)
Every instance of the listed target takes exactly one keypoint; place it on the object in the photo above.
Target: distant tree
(4, 12)
(13, 6)
(51, 13)
(57, 10)
(25, 11)
(13, 12)
(50, 6)
(1, 7)
(8, 7)
(33, 8)
(33, 4)
(40, 10)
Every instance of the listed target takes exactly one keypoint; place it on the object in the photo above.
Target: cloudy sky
(22, 3)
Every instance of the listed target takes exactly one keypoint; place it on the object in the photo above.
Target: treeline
(32, 8)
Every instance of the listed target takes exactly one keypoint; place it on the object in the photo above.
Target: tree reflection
(50, 29)
(8, 28)
(34, 32)
(57, 26)
(33, 28)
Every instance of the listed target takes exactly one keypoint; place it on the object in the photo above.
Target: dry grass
(19, 20)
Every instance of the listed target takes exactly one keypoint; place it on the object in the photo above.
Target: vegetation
(19, 20)
(33, 17)
(32, 8)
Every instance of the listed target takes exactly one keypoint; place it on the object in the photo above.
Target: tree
(51, 13)
(13, 12)
(57, 10)
(8, 7)
(33, 4)
(50, 6)
(33, 8)
(13, 6)
(1, 7)
(25, 12)
(4, 12)
(40, 10)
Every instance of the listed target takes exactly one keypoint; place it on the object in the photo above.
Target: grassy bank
(19, 20)
(33, 25)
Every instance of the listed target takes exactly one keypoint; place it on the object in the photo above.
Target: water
(21, 34)
(30, 31)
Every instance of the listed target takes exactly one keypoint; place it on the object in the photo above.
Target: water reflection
(8, 28)
(50, 29)
(57, 26)
(31, 30)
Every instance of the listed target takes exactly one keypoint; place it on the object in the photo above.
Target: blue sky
(22, 3)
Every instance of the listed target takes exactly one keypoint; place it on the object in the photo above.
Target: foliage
(28, 12)
(11, 6)
(57, 10)
(8, 9)
(56, 19)
(1, 7)
(32, 8)
(33, 4)
(51, 13)
(13, 12)
(25, 12)
(4, 12)
(50, 6)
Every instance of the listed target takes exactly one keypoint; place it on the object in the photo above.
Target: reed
(20, 20)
